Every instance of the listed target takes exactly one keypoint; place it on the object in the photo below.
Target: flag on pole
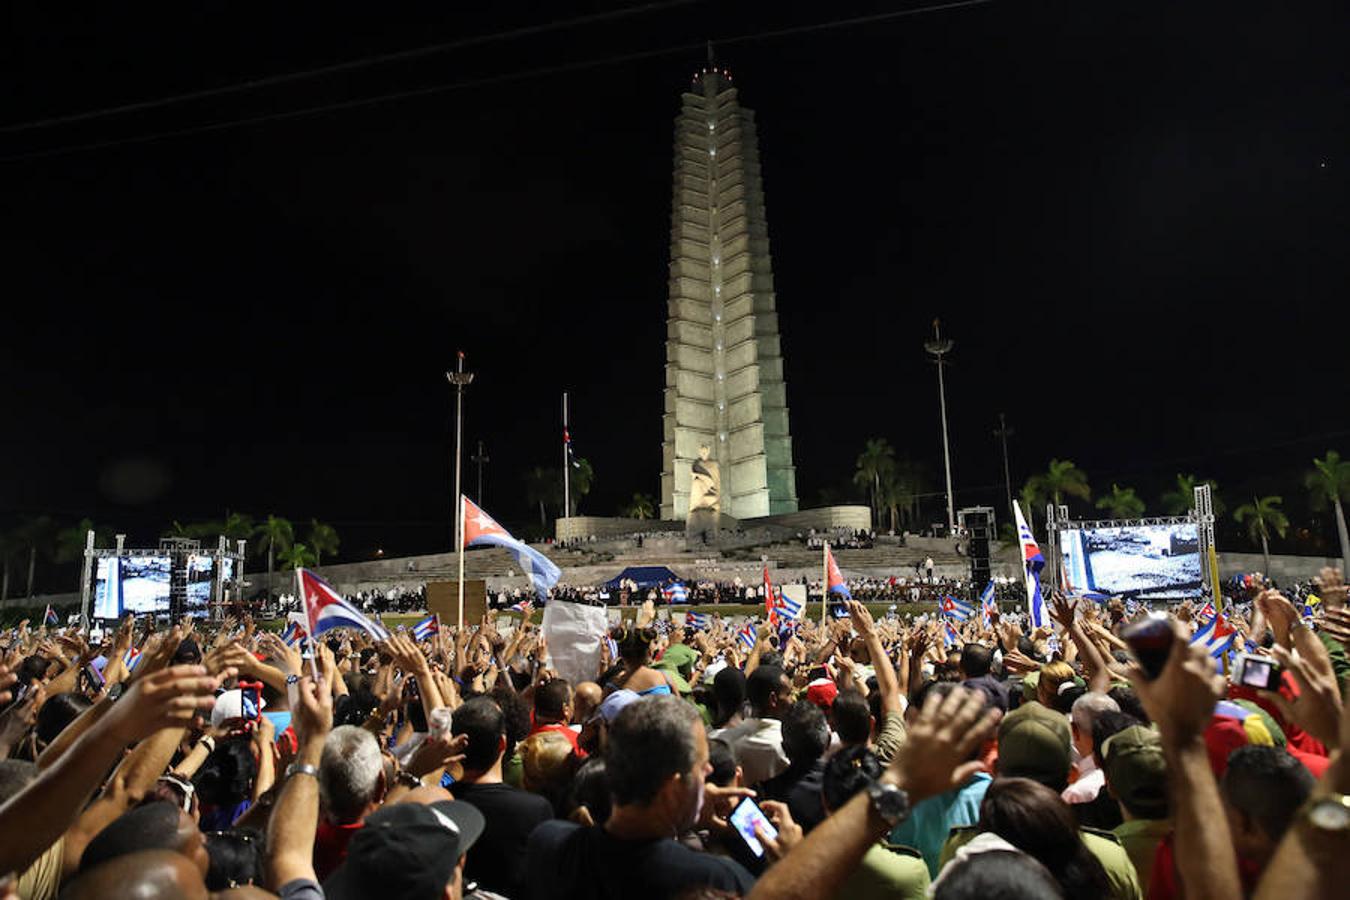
(294, 632)
(747, 636)
(835, 580)
(675, 593)
(480, 529)
(788, 608)
(956, 609)
(1206, 612)
(695, 620)
(1217, 637)
(988, 606)
(950, 636)
(770, 601)
(50, 617)
(427, 627)
(325, 608)
(1033, 562)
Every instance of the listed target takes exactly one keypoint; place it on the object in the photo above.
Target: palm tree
(1179, 502)
(875, 462)
(70, 541)
(323, 539)
(10, 545)
(1263, 515)
(1122, 503)
(237, 526)
(582, 478)
(297, 556)
(640, 507)
(36, 536)
(1063, 477)
(543, 489)
(274, 535)
(1329, 482)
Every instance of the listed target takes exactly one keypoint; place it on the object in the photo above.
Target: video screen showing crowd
(1132, 738)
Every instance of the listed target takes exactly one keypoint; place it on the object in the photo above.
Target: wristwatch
(890, 802)
(1329, 814)
(292, 679)
(296, 768)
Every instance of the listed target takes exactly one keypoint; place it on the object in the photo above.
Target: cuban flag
(1217, 637)
(788, 608)
(747, 636)
(523, 607)
(950, 636)
(956, 609)
(1206, 612)
(770, 599)
(481, 530)
(131, 659)
(427, 627)
(1033, 562)
(50, 617)
(675, 593)
(294, 632)
(695, 620)
(988, 606)
(325, 608)
(834, 580)
(613, 646)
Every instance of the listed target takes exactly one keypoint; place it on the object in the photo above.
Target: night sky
(1131, 216)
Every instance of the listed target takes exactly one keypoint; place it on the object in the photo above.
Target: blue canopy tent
(644, 576)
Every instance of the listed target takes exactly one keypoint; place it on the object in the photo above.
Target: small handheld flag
(950, 636)
(835, 580)
(956, 609)
(675, 593)
(747, 636)
(427, 627)
(788, 608)
(988, 606)
(50, 617)
(480, 529)
(523, 607)
(695, 620)
(1033, 562)
(294, 632)
(326, 608)
(1217, 637)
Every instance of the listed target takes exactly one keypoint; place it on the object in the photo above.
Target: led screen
(131, 584)
(1139, 560)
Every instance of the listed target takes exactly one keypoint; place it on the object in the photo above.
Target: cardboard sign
(443, 599)
(574, 632)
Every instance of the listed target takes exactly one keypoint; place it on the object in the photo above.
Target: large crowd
(902, 756)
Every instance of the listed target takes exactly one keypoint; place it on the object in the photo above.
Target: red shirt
(330, 846)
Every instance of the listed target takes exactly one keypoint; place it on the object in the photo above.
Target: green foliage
(1062, 479)
(1262, 517)
(1328, 481)
(581, 480)
(322, 538)
(1179, 501)
(1122, 503)
(296, 556)
(641, 506)
(875, 464)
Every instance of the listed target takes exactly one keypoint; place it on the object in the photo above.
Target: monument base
(701, 528)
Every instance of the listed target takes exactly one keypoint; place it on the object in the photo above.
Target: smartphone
(1151, 640)
(745, 817)
(250, 699)
(1260, 672)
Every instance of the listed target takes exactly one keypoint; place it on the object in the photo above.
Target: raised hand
(1062, 610)
(1317, 709)
(861, 618)
(1331, 587)
(789, 832)
(168, 698)
(936, 757)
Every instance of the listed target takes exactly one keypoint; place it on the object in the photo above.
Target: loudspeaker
(979, 524)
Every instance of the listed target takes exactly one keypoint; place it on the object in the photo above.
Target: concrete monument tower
(724, 391)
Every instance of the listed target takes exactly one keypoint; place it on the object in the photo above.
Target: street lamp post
(460, 379)
(1003, 432)
(939, 347)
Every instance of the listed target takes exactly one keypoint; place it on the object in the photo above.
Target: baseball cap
(408, 850)
(612, 705)
(231, 705)
(1133, 762)
(1033, 742)
(822, 692)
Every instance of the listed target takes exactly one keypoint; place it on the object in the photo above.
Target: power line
(348, 66)
(504, 78)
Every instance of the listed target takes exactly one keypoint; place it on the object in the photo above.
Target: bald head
(158, 825)
(426, 795)
(586, 698)
(146, 875)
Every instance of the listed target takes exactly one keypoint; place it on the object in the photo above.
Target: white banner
(574, 632)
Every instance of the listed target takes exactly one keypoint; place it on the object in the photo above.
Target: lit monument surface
(724, 366)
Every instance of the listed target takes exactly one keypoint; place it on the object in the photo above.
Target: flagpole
(567, 466)
(304, 604)
(460, 552)
(459, 378)
(824, 583)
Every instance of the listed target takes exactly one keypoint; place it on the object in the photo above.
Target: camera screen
(1255, 672)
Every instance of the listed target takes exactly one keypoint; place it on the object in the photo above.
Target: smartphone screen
(745, 817)
(250, 697)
